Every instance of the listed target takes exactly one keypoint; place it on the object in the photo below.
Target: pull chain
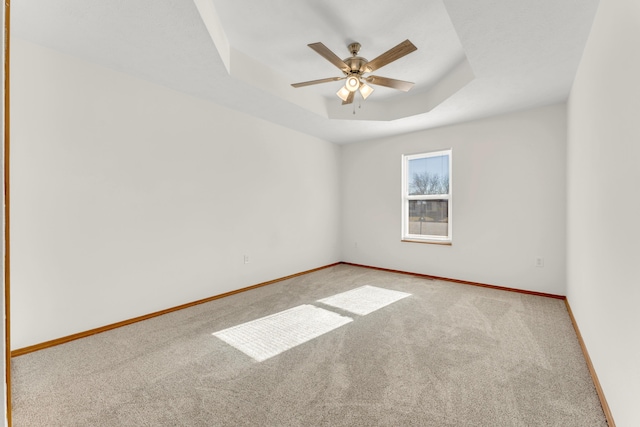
(359, 106)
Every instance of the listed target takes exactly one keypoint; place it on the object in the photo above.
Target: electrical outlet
(539, 262)
(355, 245)
(246, 259)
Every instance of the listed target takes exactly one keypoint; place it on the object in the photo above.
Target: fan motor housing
(357, 64)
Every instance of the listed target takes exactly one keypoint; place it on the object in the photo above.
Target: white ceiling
(474, 59)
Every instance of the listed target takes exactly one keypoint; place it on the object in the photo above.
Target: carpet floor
(445, 355)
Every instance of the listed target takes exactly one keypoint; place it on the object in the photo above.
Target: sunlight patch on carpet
(269, 336)
(364, 300)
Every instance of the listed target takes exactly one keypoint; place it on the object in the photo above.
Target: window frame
(420, 238)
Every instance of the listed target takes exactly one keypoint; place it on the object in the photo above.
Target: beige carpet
(446, 355)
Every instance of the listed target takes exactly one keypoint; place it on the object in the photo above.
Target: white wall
(128, 198)
(508, 201)
(604, 204)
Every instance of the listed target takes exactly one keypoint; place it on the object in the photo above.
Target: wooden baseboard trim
(463, 282)
(603, 401)
(62, 340)
(594, 377)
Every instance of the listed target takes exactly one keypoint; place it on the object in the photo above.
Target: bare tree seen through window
(428, 183)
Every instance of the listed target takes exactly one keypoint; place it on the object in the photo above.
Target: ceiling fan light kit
(343, 93)
(365, 90)
(352, 84)
(355, 67)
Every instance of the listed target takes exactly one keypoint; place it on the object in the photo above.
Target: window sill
(428, 242)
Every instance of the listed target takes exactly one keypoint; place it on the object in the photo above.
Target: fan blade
(349, 99)
(404, 48)
(329, 56)
(392, 83)
(315, 82)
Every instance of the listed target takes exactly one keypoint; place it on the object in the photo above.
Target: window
(426, 197)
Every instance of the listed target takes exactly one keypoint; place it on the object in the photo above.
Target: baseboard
(594, 376)
(84, 334)
(73, 337)
(463, 282)
(603, 401)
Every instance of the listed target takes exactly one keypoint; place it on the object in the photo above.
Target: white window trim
(406, 237)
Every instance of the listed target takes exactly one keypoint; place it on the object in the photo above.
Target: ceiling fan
(355, 67)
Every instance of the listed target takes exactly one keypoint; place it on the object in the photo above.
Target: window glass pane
(429, 217)
(429, 175)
